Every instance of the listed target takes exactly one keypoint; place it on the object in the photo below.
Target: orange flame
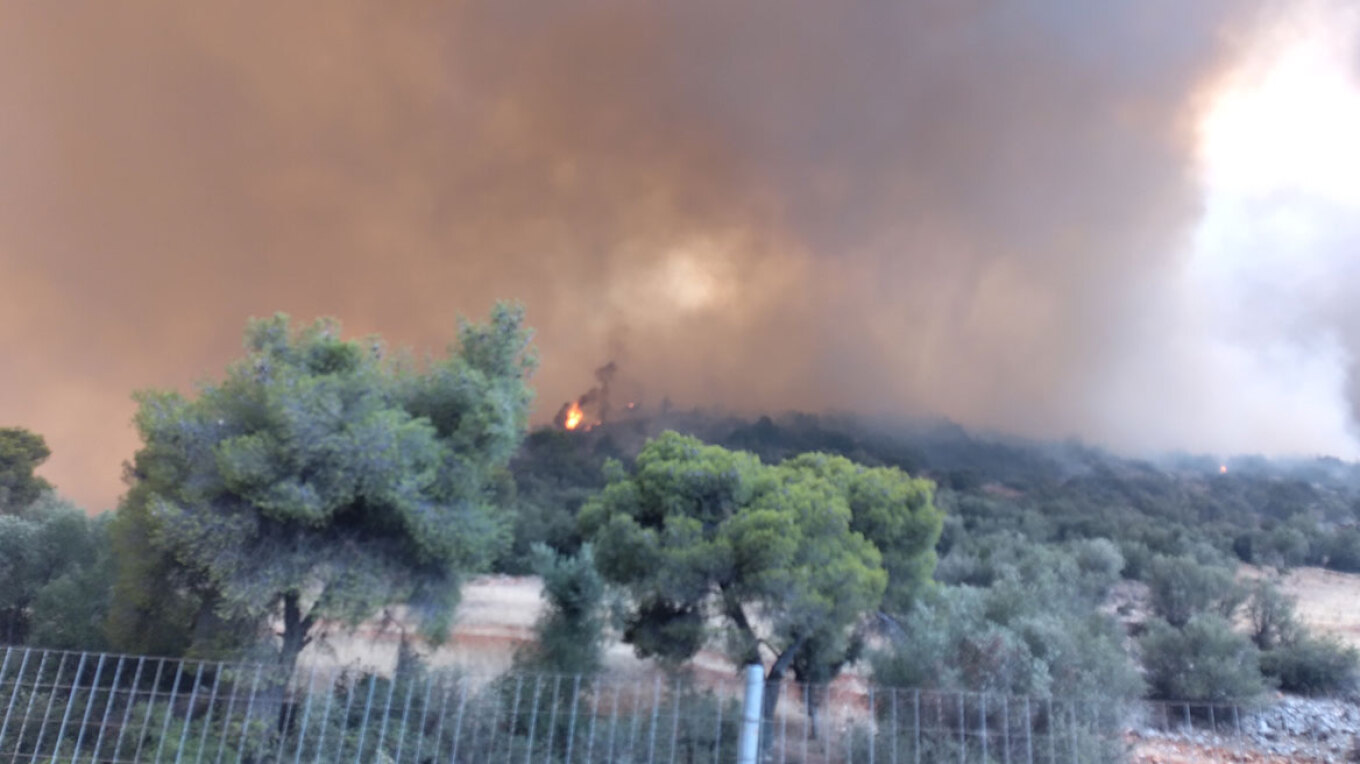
(574, 416)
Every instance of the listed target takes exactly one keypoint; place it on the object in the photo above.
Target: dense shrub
(1206, 660)
(1312, 665)
(1181, 587)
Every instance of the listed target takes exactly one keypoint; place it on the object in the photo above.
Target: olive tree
(324, 478)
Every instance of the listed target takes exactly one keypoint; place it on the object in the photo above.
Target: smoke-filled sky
(1133, 221)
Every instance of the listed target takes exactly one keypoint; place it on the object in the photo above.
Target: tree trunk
(295, 629)
(774, 684)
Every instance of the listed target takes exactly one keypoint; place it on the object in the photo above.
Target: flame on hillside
(574, 416)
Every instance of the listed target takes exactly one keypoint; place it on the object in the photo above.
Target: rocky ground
(1288, 729)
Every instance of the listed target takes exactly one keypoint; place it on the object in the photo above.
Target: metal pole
(405, 716)
(132, 698)
(250, 710)
(89, 705)
(13, 696)
(571, 722)
(749, 743)
(47, 710)
(458, 721)
(306, 715)
(226, 717)
(363, 726)
(108, 707)
(430, 681)
(552, 718)
(66, 715)
(387, 714)
(170, 709)
(188, 714)
(326, 716)
(207, 717)
(533, 720)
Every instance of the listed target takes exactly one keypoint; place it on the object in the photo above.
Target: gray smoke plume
(961, 208)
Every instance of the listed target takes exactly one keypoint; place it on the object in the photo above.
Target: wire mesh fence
(88, 707)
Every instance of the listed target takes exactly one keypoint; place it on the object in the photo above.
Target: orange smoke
(574, 416)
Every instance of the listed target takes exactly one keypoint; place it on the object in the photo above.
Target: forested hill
(1266, 511)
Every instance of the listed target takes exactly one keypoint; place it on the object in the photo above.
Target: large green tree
(21, 452)
(323, 479)
(54, 565)
(788, 557)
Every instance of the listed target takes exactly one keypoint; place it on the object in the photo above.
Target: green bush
(1312, 666)
(1181, 587)
(1203, 661)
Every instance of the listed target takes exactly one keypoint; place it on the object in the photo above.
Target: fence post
(749, 747)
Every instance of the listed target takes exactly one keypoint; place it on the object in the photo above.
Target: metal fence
(89, 707)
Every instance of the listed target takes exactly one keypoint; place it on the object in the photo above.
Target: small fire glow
(1222, 469)
(574, 416)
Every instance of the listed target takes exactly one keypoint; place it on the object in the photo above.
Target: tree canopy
(787, 556)
(21, 452)
(324, 478)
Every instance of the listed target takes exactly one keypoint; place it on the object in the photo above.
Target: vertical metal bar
(445, 688)
(571, 722)
(533, 720)
(14, 696)
(250, 711)
(430, 681)
(495, 719)
(552, 718)
(226, 717)
(807, 723)
(1052, 732)
(170, 709)
(287, 707)
(387, 713)
(89, 706)
(916, 725)
(1006, 729)
(1072, 730)
(439, 725)
(633, 721)
(326, 716)
(188, 714)
(893, 695)
(406, 716)
(1029, 734)
(676, 697)
(783, 736)
(849, 737)
(47, 710)
(1237, 724)
(350, 689)
(963, 733)
(306, 714)
(982, 721)
(656, 711)
(826, 728)
(132, 701)
(108, 707)
(717, 728)
(363, 726)
(70, 701)
(873, 717)
(458, 721)
(613, 723)
(594, 714)
(207, 717)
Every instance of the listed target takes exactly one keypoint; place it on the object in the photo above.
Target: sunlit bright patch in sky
(1291, 123)
(1274, 258)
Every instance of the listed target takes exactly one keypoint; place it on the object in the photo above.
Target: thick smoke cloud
(925, 207)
